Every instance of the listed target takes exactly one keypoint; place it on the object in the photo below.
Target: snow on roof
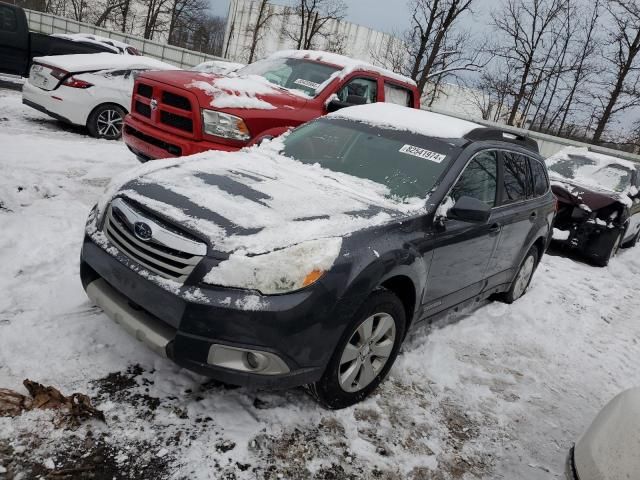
(217, 66)
(593, 173)
(90, 38)
(396, 117)
(601, 159)
(87, 62)
(347, 64)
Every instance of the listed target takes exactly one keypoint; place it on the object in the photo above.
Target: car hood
(257, 200)
(233, 92)
(578, 194)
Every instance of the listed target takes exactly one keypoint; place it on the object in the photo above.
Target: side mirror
(352, 100)
(469, 209)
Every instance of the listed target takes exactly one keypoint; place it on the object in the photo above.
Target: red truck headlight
(224, 125)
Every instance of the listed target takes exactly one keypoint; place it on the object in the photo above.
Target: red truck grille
(166, 107)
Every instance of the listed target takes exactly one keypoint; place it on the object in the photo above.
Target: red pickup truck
(177, 113)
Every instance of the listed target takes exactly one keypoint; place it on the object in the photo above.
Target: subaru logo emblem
(142, 231)
(153, 104)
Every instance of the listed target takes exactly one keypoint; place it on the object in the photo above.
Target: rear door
(515, 214)
(14, 40)
(462, 250)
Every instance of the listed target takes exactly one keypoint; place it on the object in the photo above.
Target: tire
(633, 242)
(615, 246)
(523, 278)
(106, 121)
(345, 381)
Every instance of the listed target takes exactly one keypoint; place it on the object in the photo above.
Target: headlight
(280, 271)
(224, 125)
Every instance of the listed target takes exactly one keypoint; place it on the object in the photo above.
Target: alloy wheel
(109, 123)
(367, 352)
(524, 276)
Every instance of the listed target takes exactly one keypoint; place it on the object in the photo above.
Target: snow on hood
(87, 62)
(237, 92)
(257, 200)
(582, 183)
(396, 117)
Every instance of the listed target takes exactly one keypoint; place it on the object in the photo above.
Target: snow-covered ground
(501, 393)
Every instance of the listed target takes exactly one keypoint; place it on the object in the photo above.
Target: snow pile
(236, 92)
(412, 120)
(279, 271)
(595, 171)
(87, 62)
(217, 67)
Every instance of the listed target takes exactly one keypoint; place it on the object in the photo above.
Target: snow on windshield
(592, 170)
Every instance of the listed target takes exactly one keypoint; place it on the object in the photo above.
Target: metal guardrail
(180, 57)
(548, 144)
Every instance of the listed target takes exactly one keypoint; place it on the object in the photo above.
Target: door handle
(495, 229)
(533, 216)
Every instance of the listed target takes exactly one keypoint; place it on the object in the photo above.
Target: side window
(540, 182)
(8, 20)
(516, 181)
(360, 87)
(479, 179)
(397, 95)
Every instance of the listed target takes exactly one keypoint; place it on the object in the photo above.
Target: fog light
(256, 361)
(246, 360)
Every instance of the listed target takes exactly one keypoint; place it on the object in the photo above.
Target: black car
(598, 203)
(18, 46)
(306, 260)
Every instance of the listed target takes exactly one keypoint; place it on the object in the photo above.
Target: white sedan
(92, 90)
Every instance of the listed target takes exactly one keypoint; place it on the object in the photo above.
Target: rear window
(540, 181)
(398, 95)
(515, 178)
(8, 19)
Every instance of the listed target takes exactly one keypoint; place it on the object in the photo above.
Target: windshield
(408, 164)
(291, 73)
(586, 170)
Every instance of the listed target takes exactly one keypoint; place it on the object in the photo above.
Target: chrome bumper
(147, 329)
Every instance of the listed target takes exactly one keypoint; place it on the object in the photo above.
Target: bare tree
(155, 17)
(525, 25)
(186, 16)
(313, 20)
(432, 23)
(265, 13)
(623, 87)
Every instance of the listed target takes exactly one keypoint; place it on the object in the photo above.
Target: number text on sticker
(423, 153)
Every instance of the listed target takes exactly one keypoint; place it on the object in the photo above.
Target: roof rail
(487, 133)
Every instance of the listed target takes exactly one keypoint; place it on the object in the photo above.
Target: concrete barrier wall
(180, 57)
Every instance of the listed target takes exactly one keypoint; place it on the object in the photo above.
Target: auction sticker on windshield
(422, 153)
(306, 83)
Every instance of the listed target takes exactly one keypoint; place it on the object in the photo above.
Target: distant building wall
(357, 41)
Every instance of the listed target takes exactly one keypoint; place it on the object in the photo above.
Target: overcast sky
(384, 15)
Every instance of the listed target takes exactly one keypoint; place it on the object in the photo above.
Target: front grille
(169, 147)
(176, 121)
(163, 260)
(143, 109)
(145, 90)
(177, 101)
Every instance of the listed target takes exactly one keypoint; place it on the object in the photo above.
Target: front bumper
(150, 143)
(301, 328)
(590, 238)
(55, 103)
